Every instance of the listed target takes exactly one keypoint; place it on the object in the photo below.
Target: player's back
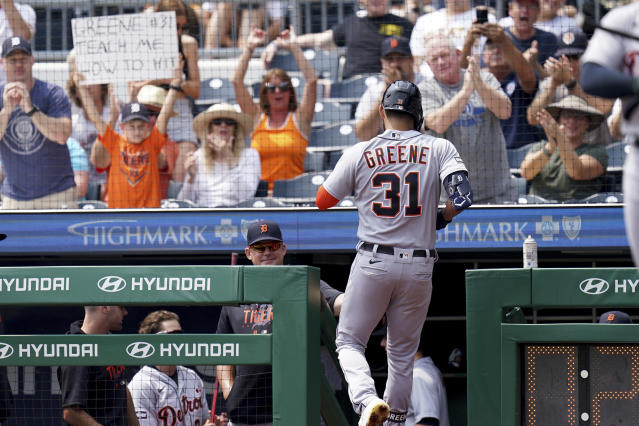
(396, 180)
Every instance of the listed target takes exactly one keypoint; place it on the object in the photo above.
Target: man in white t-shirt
(15, 19)
(453, 21)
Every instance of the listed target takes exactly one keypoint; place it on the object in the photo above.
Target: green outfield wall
(494, 338)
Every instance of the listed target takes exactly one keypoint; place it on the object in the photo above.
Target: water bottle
(530, 252)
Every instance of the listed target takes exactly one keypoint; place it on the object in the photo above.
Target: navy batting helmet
(404, 96)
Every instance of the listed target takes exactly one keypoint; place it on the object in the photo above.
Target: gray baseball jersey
(160, 401)
(396, 178)
(622, 54)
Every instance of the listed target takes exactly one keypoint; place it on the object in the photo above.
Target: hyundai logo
(111, 284)
(594, 286)
(6, 350)
(140, 349)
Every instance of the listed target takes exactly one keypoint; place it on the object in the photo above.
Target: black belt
(390, 250)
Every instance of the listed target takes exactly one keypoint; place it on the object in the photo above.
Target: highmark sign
(134, 349)
(120, 285)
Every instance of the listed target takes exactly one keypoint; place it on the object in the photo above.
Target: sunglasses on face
(227, 121)
(283, 86)
(261, 247)
(170, 332)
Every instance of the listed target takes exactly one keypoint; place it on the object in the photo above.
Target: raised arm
(306, 110)
(167, 107)
(323, 40)
(89, 106)
(495, 99)
(18, 24)
(441, 119)
(473, 33)
(519, 64)
(242, 95)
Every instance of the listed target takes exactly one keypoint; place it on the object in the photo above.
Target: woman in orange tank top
(282, 125)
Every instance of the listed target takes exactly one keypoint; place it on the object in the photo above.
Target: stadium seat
(214, 91)
(332, 159)
(534, 199)
(260, 202)
(92, 205)
(327, 113)
(617, 155)
(348, 201)
(314, 162)
(515, 157)
(300, 190)
(604, 198)
(174, 189)
(325, 62)
(286, 61)
(262, 189)
(352, 89)
(333, 138)
(172, 203)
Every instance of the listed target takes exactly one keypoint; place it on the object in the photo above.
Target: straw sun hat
(575, 103)
(201, 122)
(153, 96)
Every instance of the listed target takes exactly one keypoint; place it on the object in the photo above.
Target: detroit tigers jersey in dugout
(160, 400)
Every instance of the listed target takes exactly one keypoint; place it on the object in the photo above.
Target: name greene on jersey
(396, 154)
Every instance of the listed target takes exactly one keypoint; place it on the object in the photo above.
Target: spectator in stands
(453, 21)
(565, 167)
(35, 123)
(552, 18)
(465, 106)
(536, 45)
(361, 33)
(428, 401)
(79, 164)
(168, 394)
(134, 180)
(397, 64)
(563, 80)
(517, 80)
(83, 130)
(223, 172)
(220, 29)
(153, 97)
(281, 125)
(15, 20)
(247, 389)
(96, 395)
(180, 128)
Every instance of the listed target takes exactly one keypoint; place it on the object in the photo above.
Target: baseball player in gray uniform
(396, 178)
(168, 395)
(611, 70)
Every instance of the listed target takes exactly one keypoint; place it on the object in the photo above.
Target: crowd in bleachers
(505, 91)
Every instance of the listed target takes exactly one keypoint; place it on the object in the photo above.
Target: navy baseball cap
(395, 44)
(572, 42)
(264, 230)
(135, 111)
(15, 43)
(615, 317)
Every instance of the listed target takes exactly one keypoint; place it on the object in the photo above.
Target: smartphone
(482, 15)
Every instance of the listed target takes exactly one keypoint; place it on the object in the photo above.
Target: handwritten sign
(117, 48)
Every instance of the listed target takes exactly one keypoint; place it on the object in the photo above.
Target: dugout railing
(523, 372)
(299, 386)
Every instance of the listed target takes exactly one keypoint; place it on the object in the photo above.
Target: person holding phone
(453, 21)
